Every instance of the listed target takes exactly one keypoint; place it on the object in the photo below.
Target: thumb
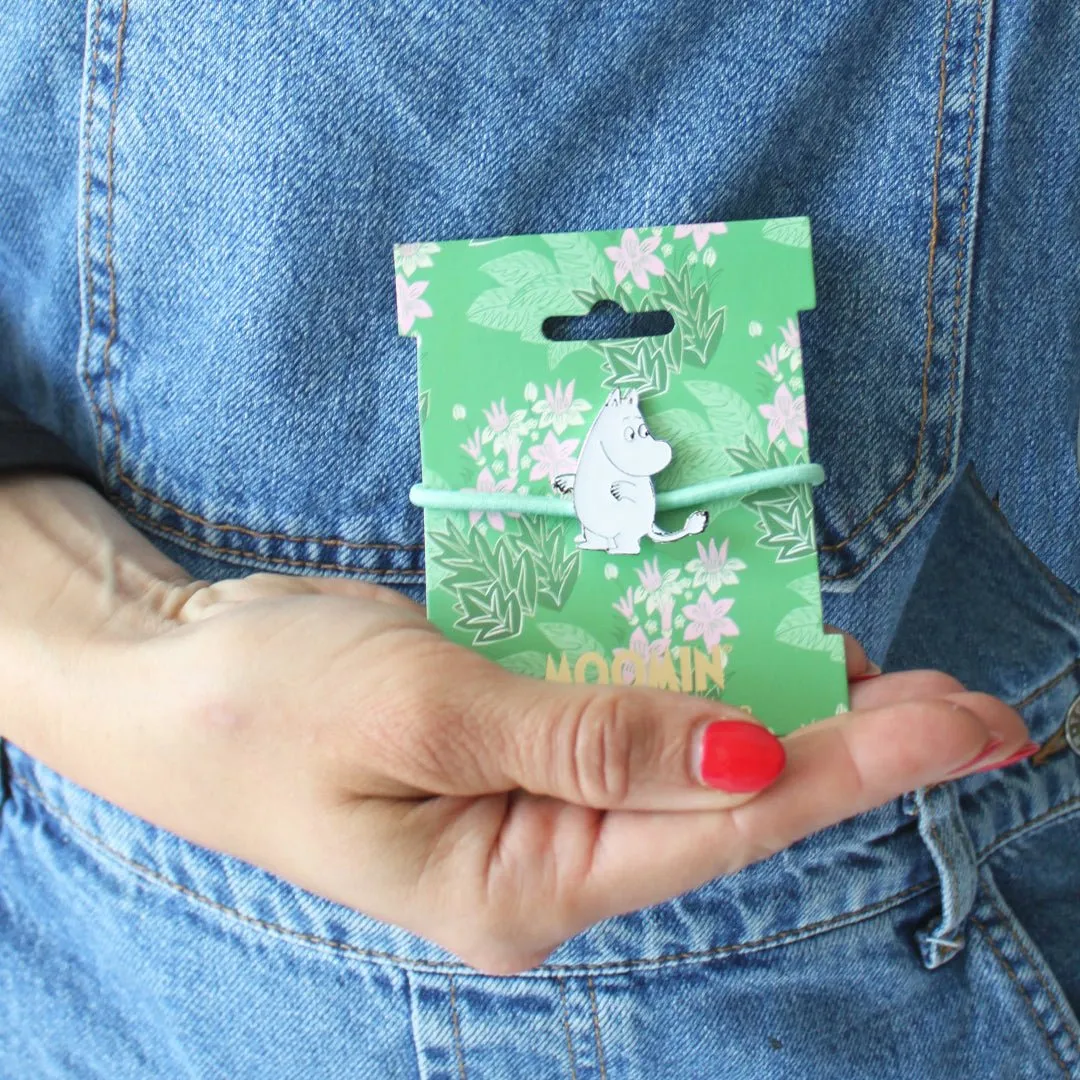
(631, 748)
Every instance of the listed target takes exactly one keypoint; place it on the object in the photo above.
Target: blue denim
(197, 204)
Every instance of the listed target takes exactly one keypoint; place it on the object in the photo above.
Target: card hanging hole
(607, 321)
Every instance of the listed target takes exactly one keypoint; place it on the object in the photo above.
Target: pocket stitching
(957, 302)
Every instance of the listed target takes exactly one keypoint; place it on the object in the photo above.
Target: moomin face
(626, 440)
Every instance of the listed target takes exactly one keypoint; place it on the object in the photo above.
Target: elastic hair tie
(726, 487)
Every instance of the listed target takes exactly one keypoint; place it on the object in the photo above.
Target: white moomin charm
(614, 499)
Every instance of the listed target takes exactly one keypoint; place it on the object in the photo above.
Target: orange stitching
(1000, 841)
(437, 965)
(566, 1026)
(596, 1028)
(277, 560)
(1014, 978)
(127, 481)
(1023, 703)
(1035, 967)
(87, 262)
(458, 1052)
(932, 254)
(962, 238)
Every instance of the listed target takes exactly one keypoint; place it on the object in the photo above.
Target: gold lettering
(686, 670)
(706, 666)
(628, 656)
(597, 661)
(562, 675)
(662, 673)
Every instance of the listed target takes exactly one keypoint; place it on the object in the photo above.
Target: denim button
(1072, 727)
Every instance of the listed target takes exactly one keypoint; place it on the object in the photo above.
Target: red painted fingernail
(1025, 751)
(991, 748)
(739, 756)
(864, 676)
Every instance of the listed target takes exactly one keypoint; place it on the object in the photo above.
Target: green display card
(720, 599)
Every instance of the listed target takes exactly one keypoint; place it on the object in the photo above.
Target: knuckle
(597, 749)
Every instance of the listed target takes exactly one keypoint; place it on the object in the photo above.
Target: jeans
(196, 290)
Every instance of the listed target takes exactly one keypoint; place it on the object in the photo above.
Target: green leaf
(786, 531)
(526, 663)
(518, 268)
(498, 309)
(671, 423)
(695, 458)
(570, 639)
(808, 587)
(794, 232)
(578, 258)
(801, 628)
(424, 405)
(731, 416)
(489, 618)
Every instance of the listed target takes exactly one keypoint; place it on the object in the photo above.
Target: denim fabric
(197, 204)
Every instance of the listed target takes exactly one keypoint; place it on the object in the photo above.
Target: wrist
(74, 576)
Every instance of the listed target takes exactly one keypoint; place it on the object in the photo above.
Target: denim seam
(1053, 995)
(414, 1021)
(88, 273)
(459, 1052)
(1062, 809)
(1022, 990)
(561, 982)
(152, 876)
(160, 528)
(949, 455)
(135, 488)
(596, 1028)
(939, 140)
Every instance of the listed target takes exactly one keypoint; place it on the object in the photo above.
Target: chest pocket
(245, 170)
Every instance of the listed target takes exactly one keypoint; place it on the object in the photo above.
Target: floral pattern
(559, 409)
(708, 619)
(410, 306)
(635, 257)
(786, 416)
(701, 232)
(713, 567)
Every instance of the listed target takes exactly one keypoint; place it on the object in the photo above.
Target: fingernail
(991, 748)
(872, 672)
(1025, 751)
(738, 756)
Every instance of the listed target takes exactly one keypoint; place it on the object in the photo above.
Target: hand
(322, 729)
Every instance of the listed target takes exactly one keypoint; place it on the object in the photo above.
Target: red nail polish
(991, 748)
(1025, 751)
(739, 756)
(862, 678)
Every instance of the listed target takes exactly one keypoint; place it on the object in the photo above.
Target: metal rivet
(1072, 726)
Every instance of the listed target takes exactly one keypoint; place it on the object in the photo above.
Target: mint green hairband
(726, 487)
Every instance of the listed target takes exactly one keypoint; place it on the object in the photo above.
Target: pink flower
(792, 344)
(771, 363)
(712, 568)
(487, 484)
(708, 619)
(552, 457)
(646, 649)
(791, 335)
(625, 605)
(700, 232)
(787, 415)
(635, 257)
(559, 409)
(473, 447)
(409, 305)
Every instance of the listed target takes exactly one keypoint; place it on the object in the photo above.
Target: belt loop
(943, 831)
